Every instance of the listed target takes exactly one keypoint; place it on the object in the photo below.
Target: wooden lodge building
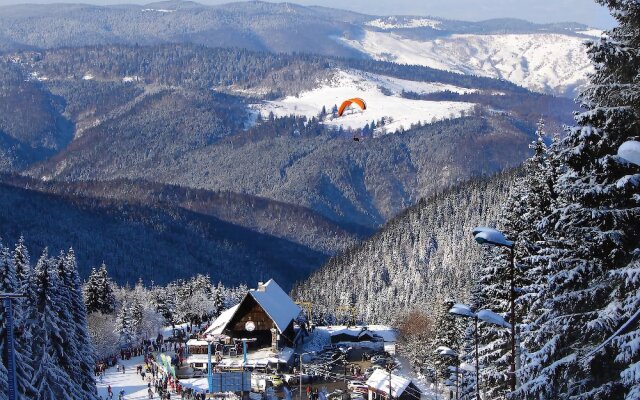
(266, 314)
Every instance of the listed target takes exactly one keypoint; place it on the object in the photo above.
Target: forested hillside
(153, 242)
(149, 113)
(176, 127)
(416, 261)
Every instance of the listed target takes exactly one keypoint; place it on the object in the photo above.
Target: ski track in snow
(544, 62)
(348, 84)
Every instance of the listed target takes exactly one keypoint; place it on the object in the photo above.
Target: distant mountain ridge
(286, 27)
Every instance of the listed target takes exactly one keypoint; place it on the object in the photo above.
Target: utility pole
(7, 299)
(389, 368)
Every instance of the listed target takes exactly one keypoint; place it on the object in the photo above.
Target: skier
(110, 392)
(150, 393)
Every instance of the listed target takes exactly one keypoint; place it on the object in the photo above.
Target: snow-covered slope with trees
(383, 96)
(546, 62)
(415, 261)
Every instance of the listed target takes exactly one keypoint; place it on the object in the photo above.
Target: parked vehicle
(357, 386)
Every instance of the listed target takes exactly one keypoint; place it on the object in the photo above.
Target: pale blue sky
(585, 11)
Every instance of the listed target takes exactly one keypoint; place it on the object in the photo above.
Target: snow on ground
(547, 62)
(134, 387)
(87, 77)
(597, 33)
(382, 95)
(394, 23)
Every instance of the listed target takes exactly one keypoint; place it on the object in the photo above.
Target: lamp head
(493, 237)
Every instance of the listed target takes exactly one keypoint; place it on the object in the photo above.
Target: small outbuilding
(353, 336)
(401, 388)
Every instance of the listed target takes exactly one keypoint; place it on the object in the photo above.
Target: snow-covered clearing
(546, 62)
(382, 95)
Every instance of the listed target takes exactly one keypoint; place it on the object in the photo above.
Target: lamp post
(449, 352)
(494, 237)
(12, 386)
(300, 378)
(209, 340)
(462, 310)
(630, 151)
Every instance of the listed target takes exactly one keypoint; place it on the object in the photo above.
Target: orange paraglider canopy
(347, 103)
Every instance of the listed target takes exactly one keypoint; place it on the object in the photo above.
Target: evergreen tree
(22, 351)
(50, 379)
(448, 333)
(98, 292)
(67, 326)
(218, 304)
(85, 352)
(124, 325)
(136, 315)
(591, 244)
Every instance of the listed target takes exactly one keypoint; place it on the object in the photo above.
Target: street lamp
(209, 339)
(630, 151)
(462, 310)
(490, 236)
(300, 378)
(7, 299)
(445, 351)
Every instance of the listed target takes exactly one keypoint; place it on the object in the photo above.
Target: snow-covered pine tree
(218, 304)
(7, 284)
(22, 351)
(92, 292)
(85, 355)
(494, 286)
(67, 326)
(98, 292)
(592, 245)
(136, 313)
(448, 333)
(124, 325)
(50, 379)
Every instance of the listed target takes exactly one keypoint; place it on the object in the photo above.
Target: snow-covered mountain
(545, 62)
(548, 58)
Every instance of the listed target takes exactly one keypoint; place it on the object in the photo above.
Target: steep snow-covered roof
(276, 303)
(379, 381)
(221, 322)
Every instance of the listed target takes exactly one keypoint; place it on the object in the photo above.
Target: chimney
(261, 287)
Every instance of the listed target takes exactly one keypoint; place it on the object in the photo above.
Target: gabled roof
(221, 322)
(273, 300)
(277, 304)
(379, 381)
